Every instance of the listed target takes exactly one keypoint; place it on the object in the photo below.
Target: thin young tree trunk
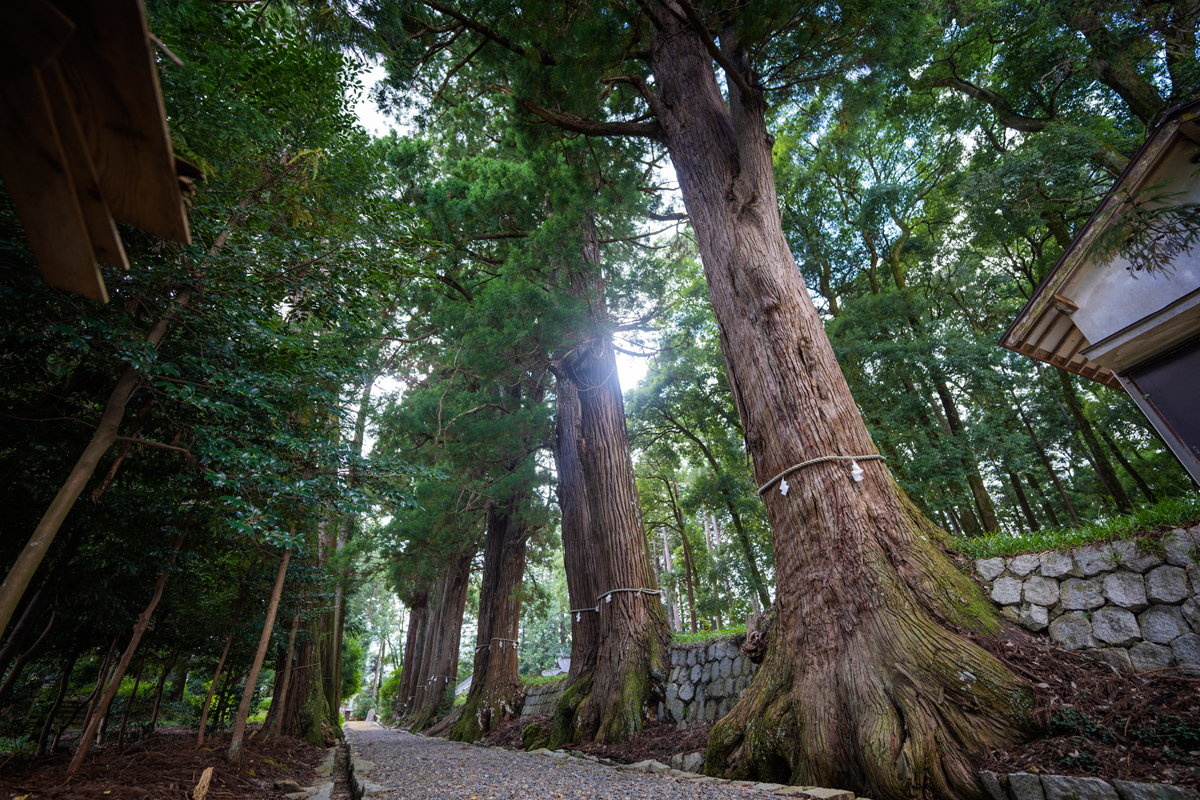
(158, 690)
(1023, 501)
(983, 501)
(137, 680)
(1104, 468)
(1048, 466)
(864, 594)
(282, 695)
(107, 429)
(29, 655)
(63, 683)
(143, 622)
(1125, 465)
(93, 698)
(243, 593)
(1043, 500)
(689, 568)
(239, 724)
(492, 699)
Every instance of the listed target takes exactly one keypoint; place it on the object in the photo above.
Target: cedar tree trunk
(492, 699)
(438, 667)
(418, 615)
(632, 626)
(863, 686)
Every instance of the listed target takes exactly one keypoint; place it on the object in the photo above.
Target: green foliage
(728, 632)
(1169, 513)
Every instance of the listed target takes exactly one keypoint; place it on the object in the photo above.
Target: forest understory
(165, 765)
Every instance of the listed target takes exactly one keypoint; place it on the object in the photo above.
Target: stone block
(686, 692)
(726, 667)
(1129, 790)
(1115, 657)
(1162, 624)
(989, 569)
(1063, 787)
(1024, 564)
(693, 762)
(1191, 613)
(1194, 577)
(1126, 589)
(723, 708)
(1132, 557)
(1095, 559)
(1058, 565)
(1011, 613)
(1007, 591)
(697, 671)
(1116, 626)
(672, 692)
(1147, 657)
(1186, 651)
(706, 672)
(710, 711)
(1041, 591)
(1082, 595)
(991, 784)
(1034, 618)
(739, 665)
(1025, 786)
(1167, 585)
(691, 657)
(1073, 631)
(675, 658)
(826, 794)
(1182, 547)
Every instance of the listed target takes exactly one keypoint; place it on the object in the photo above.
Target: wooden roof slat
(102, 230)
(33, 30)
(39, 181)
(110, 66)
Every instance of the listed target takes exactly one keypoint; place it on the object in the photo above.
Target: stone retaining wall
(705, 681)
(1135, 610)
(1027, 786)
(542, 699)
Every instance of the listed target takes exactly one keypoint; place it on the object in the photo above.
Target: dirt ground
(166, 765)
(1134, 727)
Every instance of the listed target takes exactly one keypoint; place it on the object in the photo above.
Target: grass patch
(1142, 525)
(681, 637)
(529, 681)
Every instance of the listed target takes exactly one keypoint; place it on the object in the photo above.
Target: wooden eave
(83, 135)
(1044, 330)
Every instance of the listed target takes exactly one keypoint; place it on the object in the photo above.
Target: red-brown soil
(1133, 727)
(166, 765)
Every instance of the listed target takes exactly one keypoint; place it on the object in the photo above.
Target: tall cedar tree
(861, 643)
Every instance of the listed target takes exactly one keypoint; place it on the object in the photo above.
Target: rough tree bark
(583, 583)
(492, 699)
(632, 626)
(418, 615)
(239, 724)
(139, 628)
(863, 687)
(438, 666)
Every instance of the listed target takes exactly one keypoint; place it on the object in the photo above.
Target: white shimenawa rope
(794, 467)
(608, 595)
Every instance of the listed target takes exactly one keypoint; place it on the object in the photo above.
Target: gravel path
(408, 767)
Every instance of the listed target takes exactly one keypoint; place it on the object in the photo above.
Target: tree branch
(710, 44)
(1008, 117)
(541, 57)
(648, 130)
